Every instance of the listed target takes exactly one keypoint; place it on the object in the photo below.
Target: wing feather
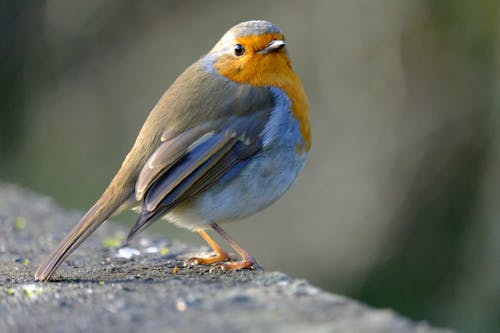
(188, 163)
(167, 154)
(191, 185)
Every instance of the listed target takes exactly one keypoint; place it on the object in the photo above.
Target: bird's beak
(273, 46)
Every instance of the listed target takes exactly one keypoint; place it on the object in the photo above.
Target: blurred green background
(399, 203)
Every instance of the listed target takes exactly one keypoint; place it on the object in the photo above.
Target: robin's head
(252, 52)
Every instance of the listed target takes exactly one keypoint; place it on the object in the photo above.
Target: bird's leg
(247, 261)
(220, 254)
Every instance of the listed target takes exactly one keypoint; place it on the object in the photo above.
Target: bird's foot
(217, 258)
(236, 265)
(218, 261)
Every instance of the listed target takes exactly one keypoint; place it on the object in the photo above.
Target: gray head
(255, 27)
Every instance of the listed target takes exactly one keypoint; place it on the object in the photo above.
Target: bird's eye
(239, 50)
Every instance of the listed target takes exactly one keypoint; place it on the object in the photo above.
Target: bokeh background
(399, 203)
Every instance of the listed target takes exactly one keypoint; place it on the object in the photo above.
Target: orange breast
(271, 69)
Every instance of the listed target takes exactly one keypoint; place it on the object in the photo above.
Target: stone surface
(102, 288)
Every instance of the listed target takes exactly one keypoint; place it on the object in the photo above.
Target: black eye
(239, 50)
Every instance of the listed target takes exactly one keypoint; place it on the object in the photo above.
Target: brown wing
(167, 154)
(189, 163)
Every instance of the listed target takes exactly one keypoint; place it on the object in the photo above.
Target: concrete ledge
(104, 289)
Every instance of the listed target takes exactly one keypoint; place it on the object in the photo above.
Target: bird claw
(206, 261)
(236, 265)
(215, 267)
(191, 262)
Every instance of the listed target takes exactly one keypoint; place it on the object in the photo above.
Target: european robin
(226, 140)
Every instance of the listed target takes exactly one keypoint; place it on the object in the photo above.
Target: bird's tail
(106, 206)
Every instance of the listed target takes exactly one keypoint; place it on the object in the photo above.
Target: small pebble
(181, 305)
(151, 249)
(127, 253)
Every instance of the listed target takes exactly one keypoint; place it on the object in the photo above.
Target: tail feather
(102, 210)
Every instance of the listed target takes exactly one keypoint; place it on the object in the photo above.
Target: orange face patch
(272, 69)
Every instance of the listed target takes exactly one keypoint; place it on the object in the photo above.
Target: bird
(226, 140)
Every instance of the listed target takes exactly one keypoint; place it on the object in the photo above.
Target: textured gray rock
(102, 288)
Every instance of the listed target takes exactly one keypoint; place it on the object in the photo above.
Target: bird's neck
(275, 71)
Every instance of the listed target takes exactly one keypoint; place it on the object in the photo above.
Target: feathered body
(227, 139)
